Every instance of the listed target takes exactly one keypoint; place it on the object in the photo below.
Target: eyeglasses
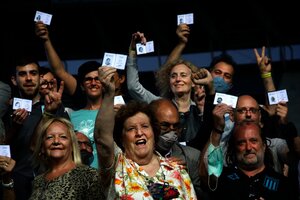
(90, 79)
(86, 143)
(46, 84)
(166, 126)
(245, 110)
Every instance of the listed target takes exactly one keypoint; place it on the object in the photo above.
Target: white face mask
(166, 140)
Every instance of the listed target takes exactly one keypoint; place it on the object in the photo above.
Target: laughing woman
(130, 168)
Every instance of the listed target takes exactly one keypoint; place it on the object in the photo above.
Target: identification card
(185, 19)
(44, 17)
(114, 60)
(276, 96)
(230, 100)
(143, 49)
(22, 103)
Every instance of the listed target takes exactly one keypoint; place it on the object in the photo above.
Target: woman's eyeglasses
(46, 84)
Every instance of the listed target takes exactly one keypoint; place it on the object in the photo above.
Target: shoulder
(188, 151)
(277, 142)
(85, 172)
(85, 168)
(270, 172)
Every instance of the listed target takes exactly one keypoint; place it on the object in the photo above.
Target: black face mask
(86, 157)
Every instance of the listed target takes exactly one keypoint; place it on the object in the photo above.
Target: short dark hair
(224, 57)
(44, 70)
(87, 67)
(22, 61)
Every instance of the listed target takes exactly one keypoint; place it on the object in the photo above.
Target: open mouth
(140, 142)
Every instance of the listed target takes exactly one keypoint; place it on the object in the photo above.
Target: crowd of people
(76, 142)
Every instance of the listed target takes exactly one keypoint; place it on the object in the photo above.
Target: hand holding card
(5, 150)
(114, 60)
(143, 49)
(119, 100)
(185, 18)
(44, 17)
(230, 100)
(276, 96)
(22, 103)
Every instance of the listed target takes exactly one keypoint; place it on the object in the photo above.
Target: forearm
(58, 68)
(103, 133)
(8, 184)
(135, 88)
(269, 87)
(268, 83)
(132, 53)
(176, 52)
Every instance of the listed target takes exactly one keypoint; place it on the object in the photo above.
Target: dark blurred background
(86, 28)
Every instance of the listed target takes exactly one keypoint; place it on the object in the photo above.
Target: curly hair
(163, 76)
(130, 109)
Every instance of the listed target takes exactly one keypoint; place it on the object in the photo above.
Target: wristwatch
(9, 185)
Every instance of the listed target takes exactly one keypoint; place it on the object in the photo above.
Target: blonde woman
(65, 177)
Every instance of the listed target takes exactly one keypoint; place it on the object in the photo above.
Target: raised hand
(183, 32)
(106, 76)
(263, 61)
(53, 98)
(136, 38)
(218, 115)
(41, 31)
(19, 115)
(203, 77)
(282, 111)
(199, 97)
(6, 164)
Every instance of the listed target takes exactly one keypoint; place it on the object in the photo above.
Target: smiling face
(46, 83)
(57, 142)
(27, 79)
(247, 109)
(249, 146)
(92, 85)
(138, 138)
(181, 80)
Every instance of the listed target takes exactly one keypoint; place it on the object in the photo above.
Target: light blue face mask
(220, 85)
(214, 160)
